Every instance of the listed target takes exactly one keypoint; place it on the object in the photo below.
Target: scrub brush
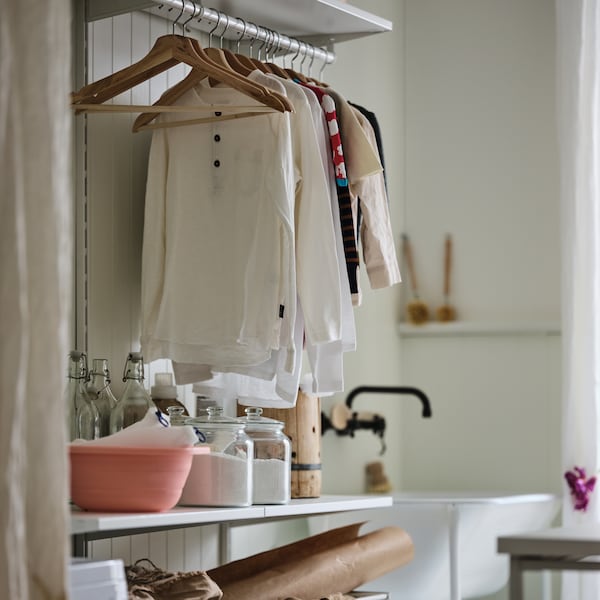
(447, 312)
(416, 310)
(377, 481)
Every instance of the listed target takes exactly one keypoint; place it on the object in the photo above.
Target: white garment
(322, 134)
(327, 360)
(218, 262)
(35, 295)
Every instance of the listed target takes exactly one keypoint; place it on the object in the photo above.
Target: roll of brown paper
(336, 561)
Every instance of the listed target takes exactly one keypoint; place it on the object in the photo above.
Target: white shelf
(316, 21)
(89, 522)
(101, 525)
(478, 329)
(325, 504)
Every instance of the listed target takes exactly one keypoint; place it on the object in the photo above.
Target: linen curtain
(35, 293)
(578, 62)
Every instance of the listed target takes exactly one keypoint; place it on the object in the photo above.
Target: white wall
(464, 92)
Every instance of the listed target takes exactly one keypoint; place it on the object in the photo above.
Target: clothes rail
(192, 14)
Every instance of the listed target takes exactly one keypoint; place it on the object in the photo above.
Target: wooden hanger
(235, 80)
(168, 51)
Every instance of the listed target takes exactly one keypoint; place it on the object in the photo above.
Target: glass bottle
(83, 421)
(101, 394)
(135, 401)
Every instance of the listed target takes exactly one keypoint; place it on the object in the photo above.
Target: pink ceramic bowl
(120, 479)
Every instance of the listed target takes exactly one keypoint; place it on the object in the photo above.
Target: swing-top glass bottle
(135, 401)
(101, 394)
(83, 420)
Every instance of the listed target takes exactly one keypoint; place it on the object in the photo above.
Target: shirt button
(217, 163)
(217, 138)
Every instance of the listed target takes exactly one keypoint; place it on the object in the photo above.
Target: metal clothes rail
(188, 13)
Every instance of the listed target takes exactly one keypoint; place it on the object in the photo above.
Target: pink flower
(580, 486)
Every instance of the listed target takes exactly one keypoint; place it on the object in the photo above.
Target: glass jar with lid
(221, 473)
(272, 458)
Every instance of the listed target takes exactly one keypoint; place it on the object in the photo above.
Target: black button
(218, 114)
(217, 138)
(217, 163)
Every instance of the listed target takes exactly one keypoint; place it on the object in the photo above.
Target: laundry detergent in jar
(223, 476)
(272, 458)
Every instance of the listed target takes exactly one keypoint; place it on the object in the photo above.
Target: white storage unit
(97, 580)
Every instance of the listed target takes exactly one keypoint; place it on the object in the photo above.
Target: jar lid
(215, 419)
(255, 420)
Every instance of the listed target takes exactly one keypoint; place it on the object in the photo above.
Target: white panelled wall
(464, 94)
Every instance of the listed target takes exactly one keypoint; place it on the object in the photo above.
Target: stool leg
(516, 579)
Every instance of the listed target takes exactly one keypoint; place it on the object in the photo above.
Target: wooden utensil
(417, 312)
(447, 312)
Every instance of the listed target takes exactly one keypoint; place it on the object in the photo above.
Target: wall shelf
(319, 22)
(105, 525)
(479, 329)
(87, 526)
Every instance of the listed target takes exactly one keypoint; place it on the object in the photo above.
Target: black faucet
(382, 389)
(375, 422)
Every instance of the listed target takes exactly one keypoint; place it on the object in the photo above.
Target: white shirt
(218, 259)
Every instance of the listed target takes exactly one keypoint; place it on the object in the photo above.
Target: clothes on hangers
(245, 265)
(375, 231)
(215, 184)
(341, 178)
(372, 118)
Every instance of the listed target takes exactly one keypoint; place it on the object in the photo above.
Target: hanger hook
(278, 43)
(183, 26)
(276, 46)
(263, 42)
(297, 52)
(176, 21)
(304, 55)
(224, 30)
(312, 59)
(284, 50)
(210, 33)
(268, 43)
(243, 34)
(254, 38)
(272, 45)
(325, 62)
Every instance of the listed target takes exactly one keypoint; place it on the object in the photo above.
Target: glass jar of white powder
(223, 476)
(272, 458)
